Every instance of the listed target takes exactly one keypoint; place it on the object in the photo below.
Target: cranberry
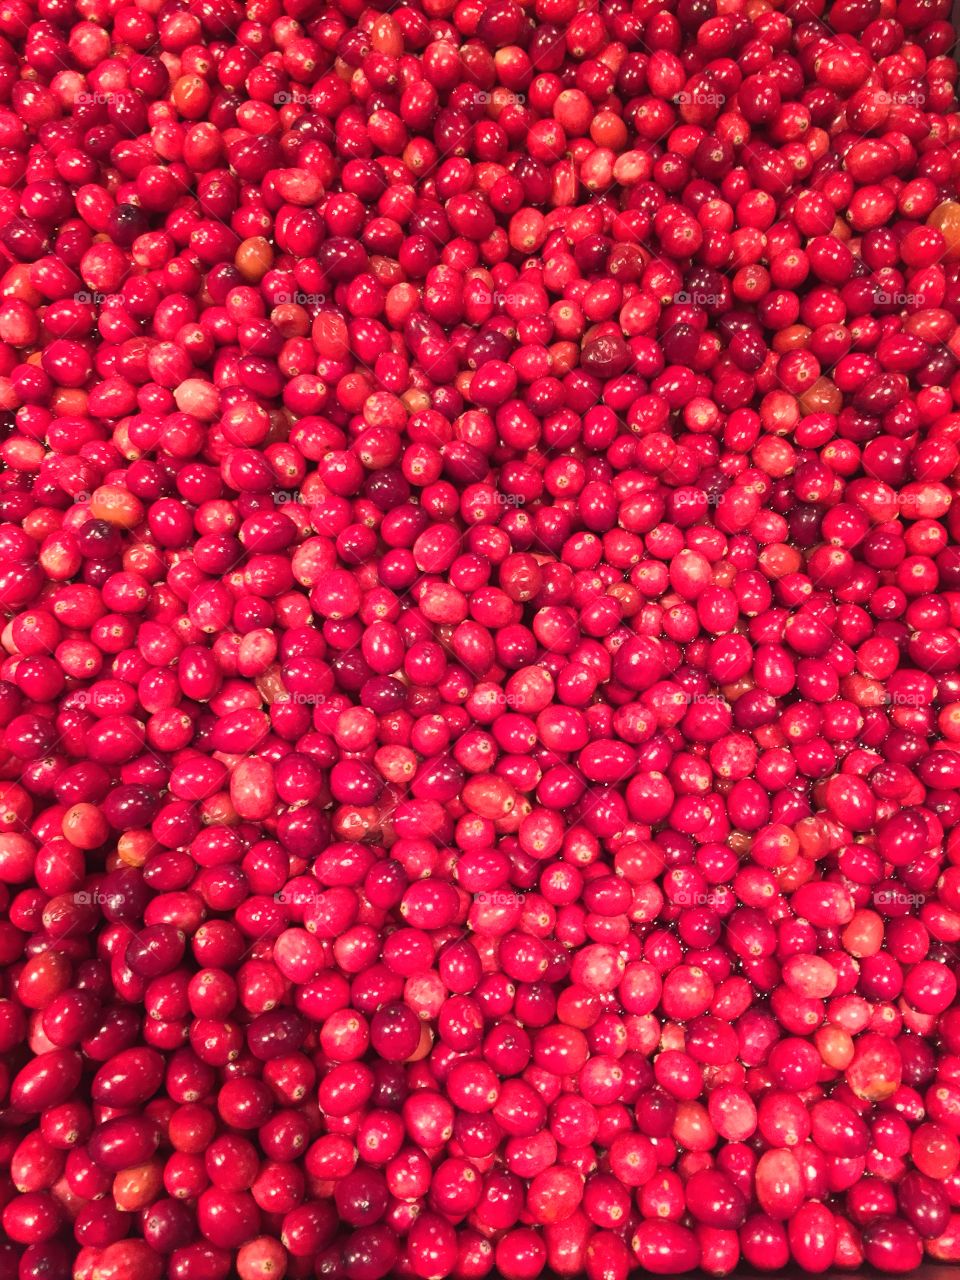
(479, 699)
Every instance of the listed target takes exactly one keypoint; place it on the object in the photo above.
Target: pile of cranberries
(480, 673)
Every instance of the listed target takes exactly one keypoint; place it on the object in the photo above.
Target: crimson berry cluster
(480, 674)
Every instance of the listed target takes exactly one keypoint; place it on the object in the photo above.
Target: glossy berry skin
(480, 593)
